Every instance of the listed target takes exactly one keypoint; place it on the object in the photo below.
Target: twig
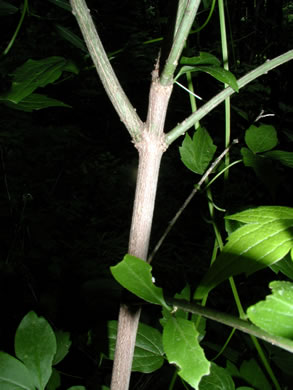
(189, 198)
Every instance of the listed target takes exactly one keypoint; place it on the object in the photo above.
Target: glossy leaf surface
(275, 313)
(180, 340)
(266, 238)
(135, 275)
(35, 346)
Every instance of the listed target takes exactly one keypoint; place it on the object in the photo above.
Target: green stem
(220, 97)
(25, 8)
(233, 322)
(104, 68)
(181, 35)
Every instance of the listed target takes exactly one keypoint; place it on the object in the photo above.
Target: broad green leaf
(35, 101)
(197, 153)
(69, 36)
(34, 74)
(7, 8)
(76, 388)
(217, 72)
(275, 313)
(180, 341)
(63, 344)
(54, 381)
(148, 352)
(219, 378)
(13, 374)
(264, 168)
(285, 158)
(285, 266)
(62, 4)
(203, 58)
(263, 214)
(135, 275)
(35, 346)
(265, 239)
(251, 372)
(261, 139)
(281, 358)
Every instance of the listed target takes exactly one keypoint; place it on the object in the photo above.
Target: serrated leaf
(285, 158)
(135, 275)
(203, 58)
(34, 74)
(261, 139)
(197, 153)
(265, 239)
(180, 341)
(63, 344)
(219, 73)
(219, 378)
(35, 101)
(148, 352)
(14, 375)
(35, 346)
(275, 313)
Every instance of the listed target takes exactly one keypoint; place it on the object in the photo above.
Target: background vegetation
(68, 174)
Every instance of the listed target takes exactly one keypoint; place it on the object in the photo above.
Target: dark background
(68, 175)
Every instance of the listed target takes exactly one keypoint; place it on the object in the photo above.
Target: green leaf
(7, 8)
(219, 379)
(217, 72)
(275, 313)
(285, 266)
(180, 341)
(203, 58)
(63, 344)
(198, 152)
(35, 345)
(35, 101)
(76, 388)
(135, 275)
(251, 372)
(54, 381)
(285, 158)
(265, 239)
(62, 4)
(34, 74)
(148, 352)
(69, 36)
(261, 139)
(263, 214)
(13, 374)
(263, 168)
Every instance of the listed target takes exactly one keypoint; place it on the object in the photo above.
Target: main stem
(151, 148)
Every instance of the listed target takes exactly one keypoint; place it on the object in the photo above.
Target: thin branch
(220, 97)
(107, 75)
(188, 200)
(233, 322)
